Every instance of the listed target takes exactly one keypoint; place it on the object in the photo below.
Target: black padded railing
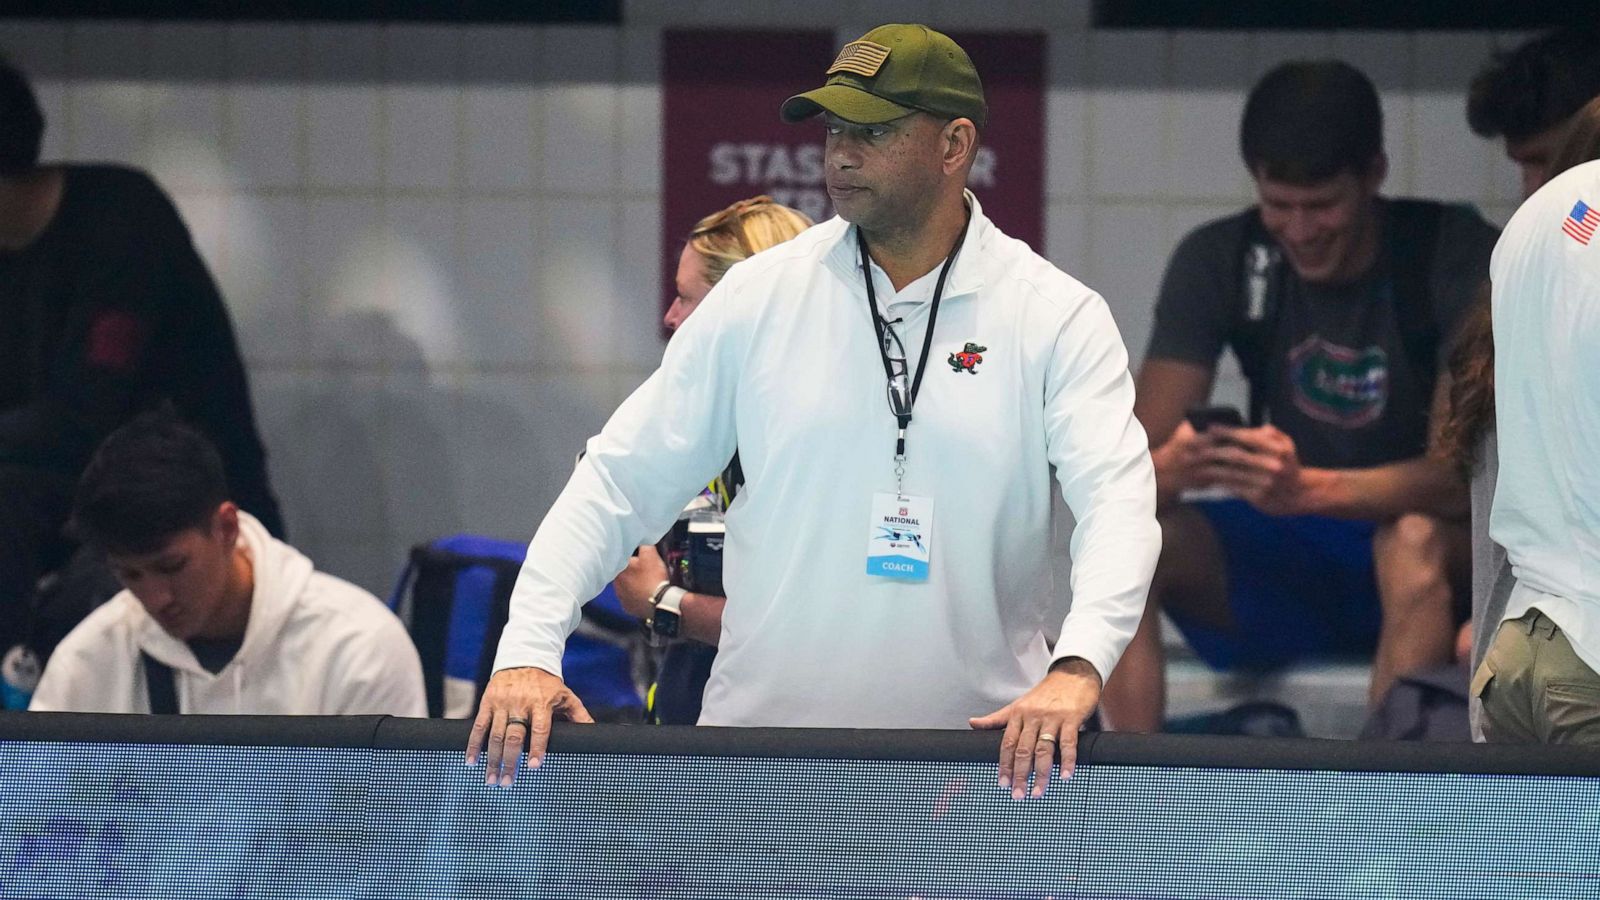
(1163, 751)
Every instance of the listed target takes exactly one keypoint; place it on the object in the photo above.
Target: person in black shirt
(1531, 94)
(1338, 305)
(108, 311)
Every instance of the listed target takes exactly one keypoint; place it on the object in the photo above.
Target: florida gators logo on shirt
(1338, 385)
(968, 358)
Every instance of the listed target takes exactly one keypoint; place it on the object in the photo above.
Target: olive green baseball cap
(892, 71)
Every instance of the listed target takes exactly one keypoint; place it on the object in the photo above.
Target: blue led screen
(178, 821)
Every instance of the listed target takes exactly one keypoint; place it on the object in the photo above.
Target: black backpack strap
(433, 591)
(505, 581)
(1258, 277)
(162, 685)
(1413, 244)
(433, 598)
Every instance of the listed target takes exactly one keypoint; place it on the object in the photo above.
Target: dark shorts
(1299, 587)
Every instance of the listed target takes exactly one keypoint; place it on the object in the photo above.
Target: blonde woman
(717, 242)
(724, 238)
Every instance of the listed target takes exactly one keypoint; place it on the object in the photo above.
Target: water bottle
(19, 675)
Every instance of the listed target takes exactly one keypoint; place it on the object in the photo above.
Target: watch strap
(670, 599)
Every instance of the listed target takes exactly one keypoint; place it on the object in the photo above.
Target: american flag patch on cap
(863, 58)
(1581, 223)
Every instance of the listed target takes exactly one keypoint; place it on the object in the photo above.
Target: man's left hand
(1262, 466)
(1043, 722)
(638, 581)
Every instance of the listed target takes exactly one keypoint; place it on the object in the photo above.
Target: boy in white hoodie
(217, 616)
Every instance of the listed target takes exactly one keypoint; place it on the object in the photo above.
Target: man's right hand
(1180, 463)
(517, 708)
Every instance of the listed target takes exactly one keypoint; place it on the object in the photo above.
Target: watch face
(666, 623)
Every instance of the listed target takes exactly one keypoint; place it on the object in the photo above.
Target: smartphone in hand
(1202, 417)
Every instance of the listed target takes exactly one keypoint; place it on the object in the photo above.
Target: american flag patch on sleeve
(1581, 223)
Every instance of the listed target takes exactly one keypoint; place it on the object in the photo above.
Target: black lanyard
(879, 326)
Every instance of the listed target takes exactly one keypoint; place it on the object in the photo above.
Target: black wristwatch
(666, 610)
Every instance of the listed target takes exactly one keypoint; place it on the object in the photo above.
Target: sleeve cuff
(1102, 658)
(528, 660)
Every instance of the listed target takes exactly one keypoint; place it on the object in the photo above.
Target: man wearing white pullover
(217, 616)
(887, 565)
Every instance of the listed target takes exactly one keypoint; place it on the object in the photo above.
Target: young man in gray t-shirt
(1337, 303)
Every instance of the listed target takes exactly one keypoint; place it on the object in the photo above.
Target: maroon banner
(1008, 177)
(723, 140)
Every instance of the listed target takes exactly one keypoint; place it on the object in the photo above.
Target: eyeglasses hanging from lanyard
(899, 379)
(903, 387)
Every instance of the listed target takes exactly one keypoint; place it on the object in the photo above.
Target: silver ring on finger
(1047, 737)
(518, 720)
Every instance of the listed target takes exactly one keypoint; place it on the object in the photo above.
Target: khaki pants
(1534, 688)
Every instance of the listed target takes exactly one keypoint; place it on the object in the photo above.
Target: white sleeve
(1102, 459)
(660, 448)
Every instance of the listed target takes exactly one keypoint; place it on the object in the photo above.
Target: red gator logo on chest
(115, 341)
(967, 359)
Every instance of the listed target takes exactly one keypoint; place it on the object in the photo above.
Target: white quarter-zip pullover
(781, 362)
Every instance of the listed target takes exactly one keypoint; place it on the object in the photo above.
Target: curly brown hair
(1470, 409)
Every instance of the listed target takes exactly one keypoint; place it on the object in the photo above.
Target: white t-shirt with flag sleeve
(1546, 513)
